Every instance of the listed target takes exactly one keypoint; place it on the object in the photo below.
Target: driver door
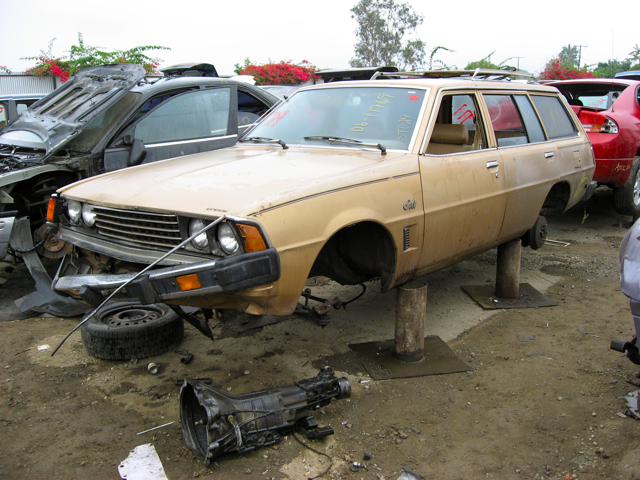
(192, 122)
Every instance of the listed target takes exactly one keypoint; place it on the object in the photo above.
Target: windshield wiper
(348, 141)
(265, 140)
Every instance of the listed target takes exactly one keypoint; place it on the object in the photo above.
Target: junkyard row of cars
(388, 178)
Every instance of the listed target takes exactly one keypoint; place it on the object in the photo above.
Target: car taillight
(597, 123)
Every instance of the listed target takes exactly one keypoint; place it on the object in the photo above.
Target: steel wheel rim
(636, 189)
(124, 317)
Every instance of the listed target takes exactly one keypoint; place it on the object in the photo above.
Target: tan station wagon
(393, 178)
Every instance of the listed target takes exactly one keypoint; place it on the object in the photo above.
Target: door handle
(549, 155)
(492, 164)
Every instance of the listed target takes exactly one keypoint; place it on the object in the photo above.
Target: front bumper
(171, 284)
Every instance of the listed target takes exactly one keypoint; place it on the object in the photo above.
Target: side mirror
(137, 153)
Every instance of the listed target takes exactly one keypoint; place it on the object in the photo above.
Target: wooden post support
(508, 270)
(411, 312)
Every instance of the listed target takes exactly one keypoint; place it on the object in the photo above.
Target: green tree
(238, 68)
(569, 56)
(434, 61)
(382, 27)
(609, 68)
(634, 57)
(486, 63)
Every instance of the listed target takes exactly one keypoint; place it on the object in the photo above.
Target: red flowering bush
(50, 67)
(557, 70)
(83, 56)
(283, 73)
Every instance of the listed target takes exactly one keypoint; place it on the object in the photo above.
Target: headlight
(74, 209)
(88, 215)
(227, 239)
(201, 241)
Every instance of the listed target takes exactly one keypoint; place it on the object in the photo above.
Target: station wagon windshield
(368, 115)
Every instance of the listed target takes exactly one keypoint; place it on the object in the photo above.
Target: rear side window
(555, 118)
(506, 121)
(22, 105)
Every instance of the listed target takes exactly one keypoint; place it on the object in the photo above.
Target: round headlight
(74, 209)
(227, 239)
(88, 215)
(201, 241)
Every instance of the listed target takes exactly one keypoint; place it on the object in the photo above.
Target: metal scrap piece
(632, 404)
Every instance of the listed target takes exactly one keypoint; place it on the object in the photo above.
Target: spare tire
(126, 330)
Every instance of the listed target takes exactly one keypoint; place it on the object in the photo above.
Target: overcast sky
(225, 33)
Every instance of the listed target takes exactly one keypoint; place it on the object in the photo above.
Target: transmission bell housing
(214, 423)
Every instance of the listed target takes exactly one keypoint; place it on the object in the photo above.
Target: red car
(609, 110)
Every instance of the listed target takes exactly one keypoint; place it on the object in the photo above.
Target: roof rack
(363, 73)
(477, 74)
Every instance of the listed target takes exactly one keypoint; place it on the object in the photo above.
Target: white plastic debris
(408, 475)
(632, 403)
(43, 347)
(142, 463)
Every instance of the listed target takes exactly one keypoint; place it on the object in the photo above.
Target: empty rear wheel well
(356, 254)
(557, 198)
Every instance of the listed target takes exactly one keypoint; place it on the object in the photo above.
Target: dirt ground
(540, 398)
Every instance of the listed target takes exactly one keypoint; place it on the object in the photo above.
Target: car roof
(595, 81)
(149, 88)
(439, 83)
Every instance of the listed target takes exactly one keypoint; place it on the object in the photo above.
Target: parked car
(111, 117)
(280, 91)
(390, 178)
(631, 75)
(609, 110)
(11, 106)
(630, 283)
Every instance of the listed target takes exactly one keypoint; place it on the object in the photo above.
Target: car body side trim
(195, 140)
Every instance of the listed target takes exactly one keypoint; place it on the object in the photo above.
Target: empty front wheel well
(356, 254)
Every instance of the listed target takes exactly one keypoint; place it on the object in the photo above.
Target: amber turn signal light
(51, 209)
(253, 241)
(189, 282)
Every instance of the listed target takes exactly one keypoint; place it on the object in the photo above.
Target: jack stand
(411, 354)
(508, 292)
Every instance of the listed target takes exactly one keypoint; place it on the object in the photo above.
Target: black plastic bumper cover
(229, 275)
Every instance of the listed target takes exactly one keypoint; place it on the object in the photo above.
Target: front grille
(140, 229)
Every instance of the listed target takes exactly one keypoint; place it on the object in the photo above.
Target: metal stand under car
(411, 353)
(508, 291)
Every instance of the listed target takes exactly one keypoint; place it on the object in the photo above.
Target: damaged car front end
(205, 256)
(105, 119)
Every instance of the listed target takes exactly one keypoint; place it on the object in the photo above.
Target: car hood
(241, 180)
(65, 111)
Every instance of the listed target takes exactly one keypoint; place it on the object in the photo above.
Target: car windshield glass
(102, 124)
(371, 115)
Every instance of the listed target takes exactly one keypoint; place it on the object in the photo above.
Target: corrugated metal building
(15, 83)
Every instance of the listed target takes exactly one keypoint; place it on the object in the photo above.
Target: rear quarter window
(555, 118)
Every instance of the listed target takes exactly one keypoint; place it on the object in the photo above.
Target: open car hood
(64, 112)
